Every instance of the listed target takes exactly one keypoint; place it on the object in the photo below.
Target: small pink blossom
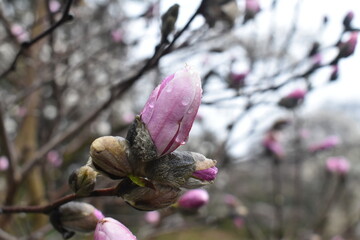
(328, 143)
(338, 165)
(347, 48)
(54, 158)
(252, 6)
(111, 229)
(117, 35)
(152, 217)
(4, 163)
(193, 199)
(54, 6)
(171, 110)
(128, 117)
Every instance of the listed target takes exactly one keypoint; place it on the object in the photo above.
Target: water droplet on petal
(185, 101)
(190, 110)
(183, 143)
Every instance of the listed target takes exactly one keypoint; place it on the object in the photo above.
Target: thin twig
(26, 45)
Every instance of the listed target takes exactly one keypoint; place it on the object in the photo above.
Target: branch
(46, 209)
(26, 45)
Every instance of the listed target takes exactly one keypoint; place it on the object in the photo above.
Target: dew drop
(190, 110)
(151, 105)
(183, 143)
(185, 101)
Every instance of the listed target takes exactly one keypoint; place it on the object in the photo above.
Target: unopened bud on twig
(82, 181)
(193, 199)
(109, 156)
(75, 217)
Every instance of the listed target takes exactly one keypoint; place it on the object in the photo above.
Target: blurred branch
(26, 45)
(8, 149)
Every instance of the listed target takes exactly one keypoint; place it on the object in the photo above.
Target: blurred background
(280, 110)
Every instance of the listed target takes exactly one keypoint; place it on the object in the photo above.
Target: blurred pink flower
(238, 222)
(252, 6)
(4, 163)
(334, 73)
(193, 199)
(171, 109)
(111, 229)
(128, 117)
(328, 143)
(20, 33)
(54, 6)
(338, 165)
(230, 200)
(271, 144)
(152, 217)
(53, 157)
(117, 35)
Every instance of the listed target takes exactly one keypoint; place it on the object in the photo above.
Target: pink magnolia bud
(193, 199)
(272, 145)
(111, 229)
(297, 94)
(230, 200)
(328, 143)
(4, 163)
(171, 110)
(152, 217)
(338, 165)
(20, 33)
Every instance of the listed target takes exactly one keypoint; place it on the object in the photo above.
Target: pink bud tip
(152, 217)
(230, 200)
(297, 94)
(194, 199)
(111, 229)
(98, 214)
(328, 143)
(206, 174)
(4, 163)
(338, 165)
(171, 109)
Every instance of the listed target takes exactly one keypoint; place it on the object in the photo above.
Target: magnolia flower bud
(293, 99)
(193, 199)
(75, 217)
(82, 181)
(171, 110)
(338, 165)
(109, 156)
(146, 198)
(237, 80)
(111, 229)
(182, 169)
(152, 217)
